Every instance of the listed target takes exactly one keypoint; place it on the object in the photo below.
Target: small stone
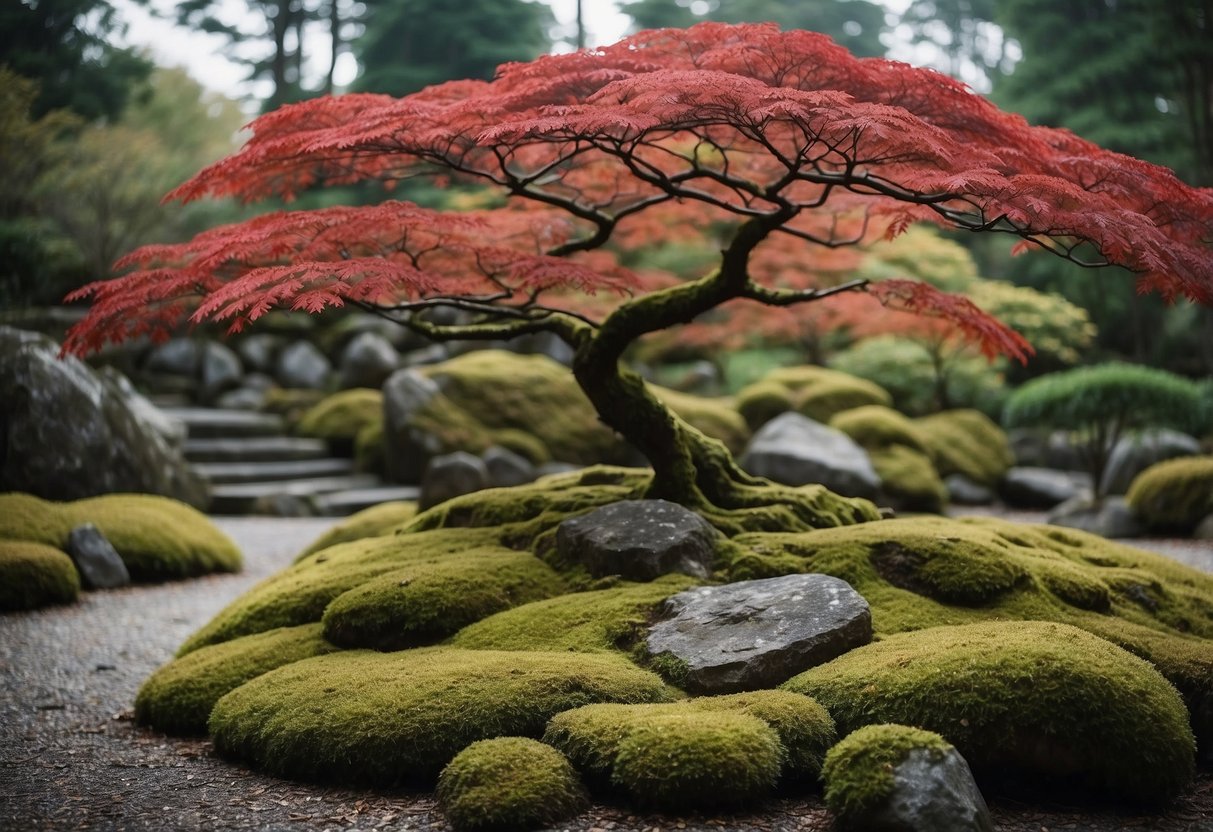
(451, 475)
(639, 540)
(367, 360)
(1110, 517)
(96, 559)
(931, 793)
(964, 491)
(507, 468)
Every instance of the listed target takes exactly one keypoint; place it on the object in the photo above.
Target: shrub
(339, 418)
(1175, 494)
(33, 575)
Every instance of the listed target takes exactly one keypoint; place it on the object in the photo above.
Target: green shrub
(507, 784)
(33, 575)
(858, 771)
(361, 717)
(1044, 700)
(1175, 494)
(339, 418)
(157, 538)
(966, 442)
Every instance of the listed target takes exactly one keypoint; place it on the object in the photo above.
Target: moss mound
(966, 442)
(387, 718)
(714, 417)
(1176, 494)
(157, 538)
(928, 571)
(875, 426)
(898, 453)
(816, 392)
(34, 575)
(858, 771)
(370, 522)
(424, 602)
(339, 418)
(762, 401)
(178, 698)
(509, 783)
(1037, 699)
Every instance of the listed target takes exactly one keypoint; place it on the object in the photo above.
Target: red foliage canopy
(763, 125)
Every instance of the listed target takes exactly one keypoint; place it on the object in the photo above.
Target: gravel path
(70, 757)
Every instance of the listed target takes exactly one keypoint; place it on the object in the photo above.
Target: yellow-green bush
(339, 418)
(1176, 494)
(34, 575)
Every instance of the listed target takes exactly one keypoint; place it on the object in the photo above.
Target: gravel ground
(71, 758)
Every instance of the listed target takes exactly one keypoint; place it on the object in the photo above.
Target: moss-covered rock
(508, 784)
(377, 520)
(34, 575)
(1035, 699)
(370, 449)
(387, 718)
(178, 698)
(877, 426)
(898, 453)
(966, 442)
(816, 392)
(1176, 494)
(339, 418)
(858, 771)
(762, 401)
(157, 538)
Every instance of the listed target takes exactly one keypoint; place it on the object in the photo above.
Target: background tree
(770, 127)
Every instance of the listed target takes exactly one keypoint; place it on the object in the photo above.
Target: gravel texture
(70, 757)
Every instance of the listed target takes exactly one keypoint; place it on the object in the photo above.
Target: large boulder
(1133, 454)
(795, 450)
(302, 365)
(67, 432)
(1031, 487)
(367, 360)
(755, 634)
(639, 540)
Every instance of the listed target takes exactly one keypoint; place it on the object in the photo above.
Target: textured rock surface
(302, 365)
(1134, 454)
(1030, 487)
(507, 468)
(96, 560)
(407, 449)
(639, 540)
(68, 432)
(450, 475)
(795, 450)
(756, 634)
(1110, 517)
(367, 360)
(931, 793)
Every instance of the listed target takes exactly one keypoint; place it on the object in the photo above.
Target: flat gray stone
(757, 634)
(795, 450)
(1031, 487)
(639, 540)
(96, 560)
(931, 793)
(1109, 517)
(964, 491)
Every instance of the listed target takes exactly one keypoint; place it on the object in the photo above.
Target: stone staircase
(254, 467)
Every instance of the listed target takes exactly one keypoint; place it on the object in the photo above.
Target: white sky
(202, 54)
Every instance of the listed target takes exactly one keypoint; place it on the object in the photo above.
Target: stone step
(224, 473)
(242, 498)
(255, 449)
(344, 503)
(210, 423)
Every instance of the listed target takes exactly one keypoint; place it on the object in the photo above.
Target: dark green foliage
(509, 784)
(33, 575)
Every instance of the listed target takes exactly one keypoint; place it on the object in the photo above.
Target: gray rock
(302, 365)
(433, 354)
(963, 491)
(1038, 448)
(507, 468)
(1109, 517)
(1204, 529)
(931, 793)
(96, 560)
(179, 357)
(639, 540)
(172, 431)
(220, 370)
(1028, 487)
(242, 398)
(406, 448)
(451, 475)
(795, 450)
(67, 432)
(260, 352)
(542, 343)
(1133, 454)
(755, 634)
(367, 360)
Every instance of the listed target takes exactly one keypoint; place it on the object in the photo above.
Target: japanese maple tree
(773, 129)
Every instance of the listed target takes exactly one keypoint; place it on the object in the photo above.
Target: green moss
(178, 698)
(858, 771)
(908, 479)
(362, 717)
(1044, 700)
(966, 442)
(157, 538)
(678, 761)
(291, 404)
(875, 427)
(1176, 494)
(583, 622)
(370, 522)
(762, 401)
(717, 418)
(340, 417)
(370, 449)
(509, 783)
(34, 575)
(424, 602)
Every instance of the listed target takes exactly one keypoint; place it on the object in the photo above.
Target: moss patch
(157, 538)
(762, 401)
(370, 522)
(34, 575)
(507, 784)
(387, 718)
(966, 442)
(908, 479)
(339, 418)
(178, 698)
(1044, 700)
(1176, 494)
(714, 417)
(875, 427)
(858, 772)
